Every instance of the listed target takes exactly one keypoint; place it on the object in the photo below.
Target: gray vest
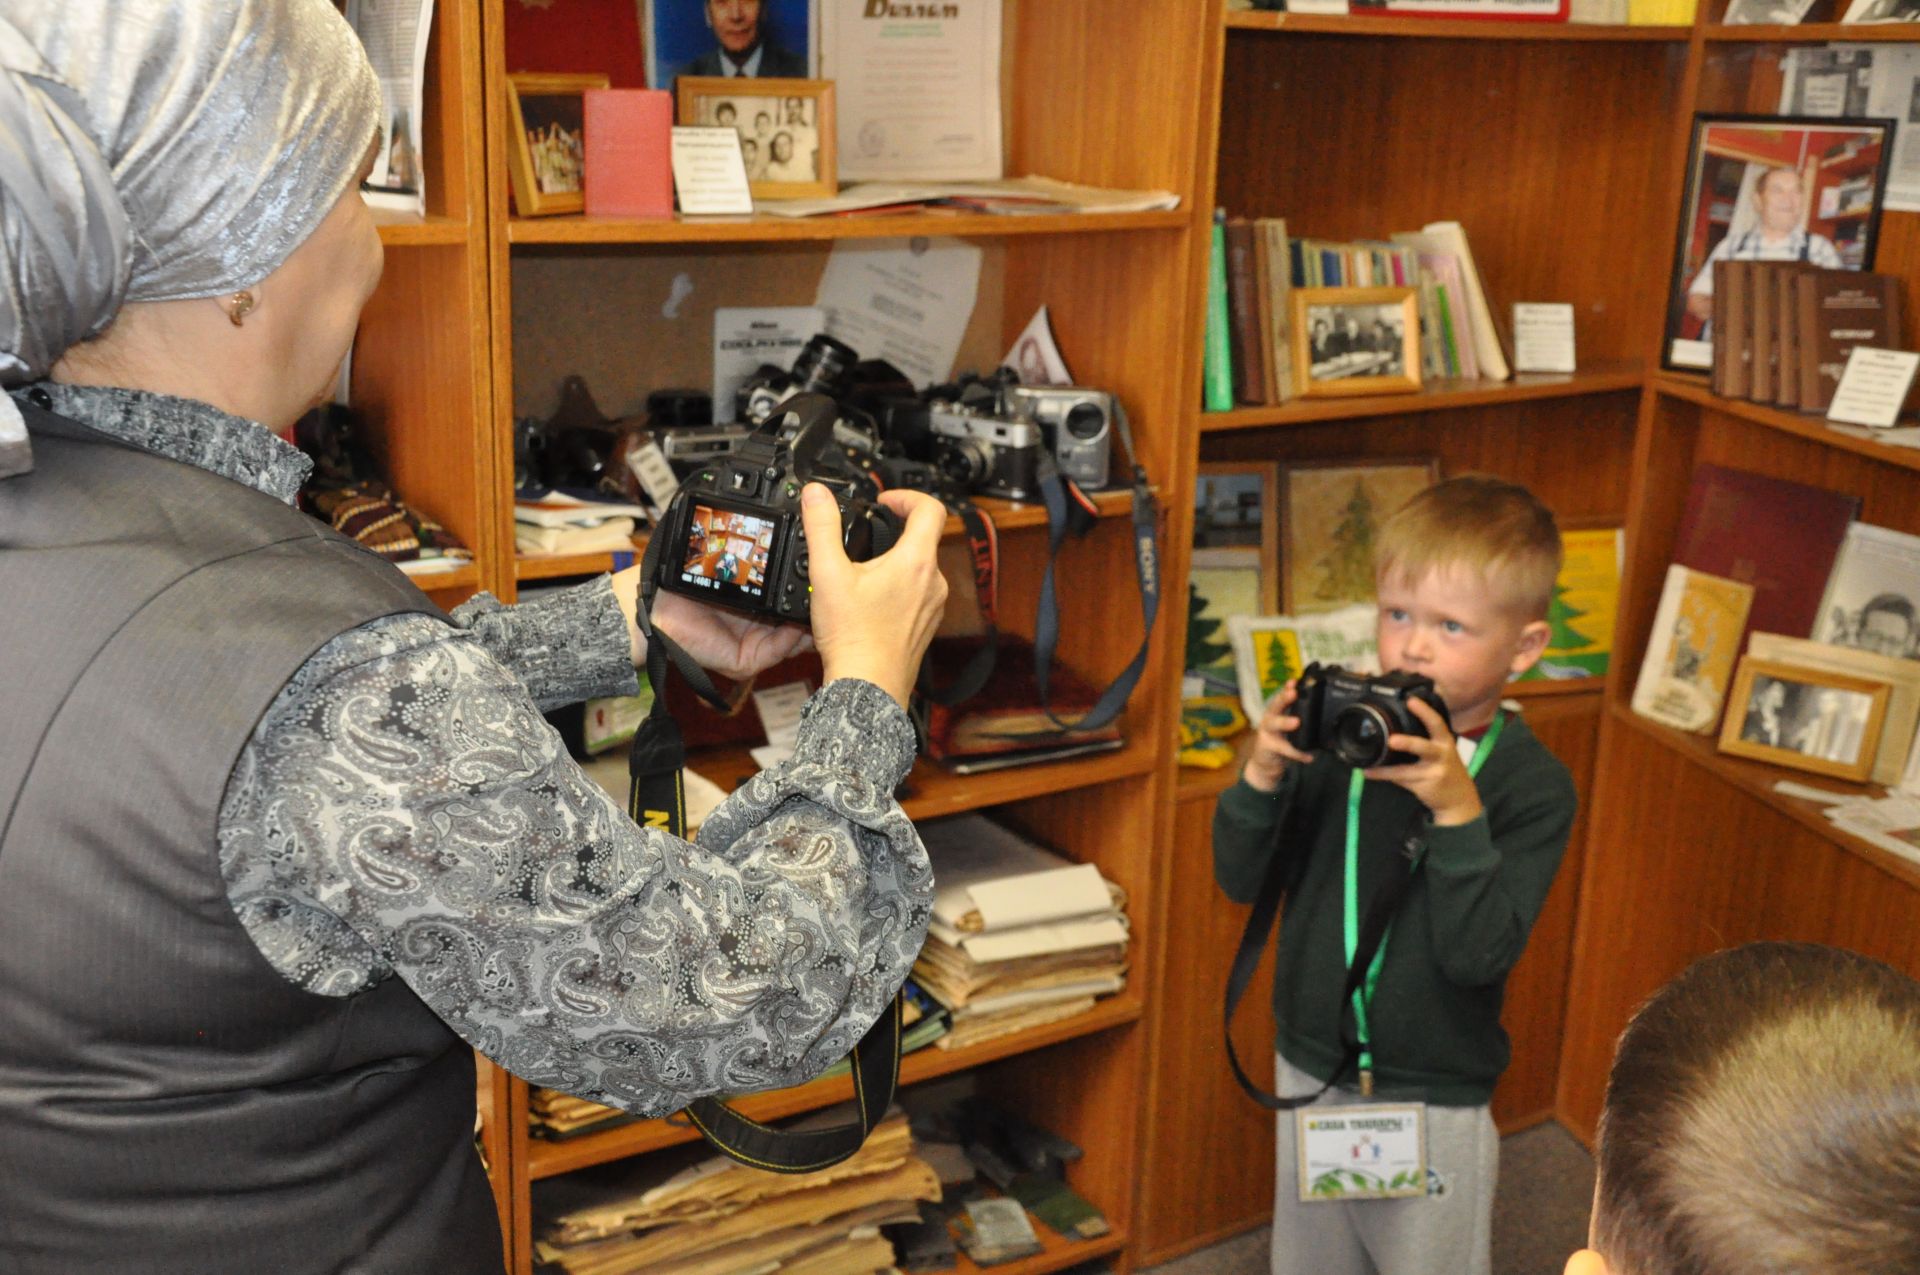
(168, 1102)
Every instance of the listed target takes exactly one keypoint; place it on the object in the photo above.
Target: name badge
(1372, 1152)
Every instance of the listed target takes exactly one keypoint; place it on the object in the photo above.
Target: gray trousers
(1446, 1232)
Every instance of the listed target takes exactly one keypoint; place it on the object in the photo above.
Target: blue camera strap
(1362, 996)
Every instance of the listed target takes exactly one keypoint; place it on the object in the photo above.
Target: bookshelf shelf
(463, 577)
(933, 791)
(1442, 29)
(1601, 378)
(398, 229)
(546, 1159)
(1007, 515)
(764, 228)
(1757, 779)
(1809, 427)
(1814, 33)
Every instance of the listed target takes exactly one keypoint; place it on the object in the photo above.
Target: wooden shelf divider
(1449, 29)
(1695, 390)
(1442, 396)
(766, 228)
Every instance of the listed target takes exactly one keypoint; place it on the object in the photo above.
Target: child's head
(1763, 1114)
(1464, 572)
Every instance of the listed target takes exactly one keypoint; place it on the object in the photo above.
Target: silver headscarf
(156, 150)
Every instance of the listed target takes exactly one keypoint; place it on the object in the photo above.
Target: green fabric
(1436, 1012)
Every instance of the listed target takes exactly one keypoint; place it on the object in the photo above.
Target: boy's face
(1448, 626)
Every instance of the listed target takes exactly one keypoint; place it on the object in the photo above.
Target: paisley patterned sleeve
(403, 809)
(565, 645)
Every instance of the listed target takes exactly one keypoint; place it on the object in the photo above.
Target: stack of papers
(558, 523)
(1010, 195)
(683, 1212)
(1020, 936)
(1891, 822)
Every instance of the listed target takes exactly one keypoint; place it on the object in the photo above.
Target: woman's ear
(1587, 1262)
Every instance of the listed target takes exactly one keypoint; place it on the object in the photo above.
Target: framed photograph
(547, 149)
(1872, 600)
(1882, 11)
(758, 39)
(786, 130)
(1330, 516)
(1810, 719)
(1355, 341)
(1770, 188)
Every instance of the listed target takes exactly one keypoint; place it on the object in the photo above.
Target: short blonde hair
(1495, 528)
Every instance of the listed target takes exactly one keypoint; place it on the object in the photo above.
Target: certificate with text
(918, 87)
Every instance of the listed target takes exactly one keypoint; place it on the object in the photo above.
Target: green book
(1447, 345)
(1217, 362)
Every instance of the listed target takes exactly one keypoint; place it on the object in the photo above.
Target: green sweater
(1436, 1011)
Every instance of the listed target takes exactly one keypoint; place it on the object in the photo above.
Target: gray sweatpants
(1446, 1232)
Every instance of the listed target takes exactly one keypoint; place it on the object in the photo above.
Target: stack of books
(1262, 265)
(558, 523)
(1783, 330)
(685, 1212)
(1020, 936)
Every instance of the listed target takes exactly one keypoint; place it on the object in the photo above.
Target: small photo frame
(786, 130)
(1236, 524)
(1330, 516)
(546, 160)
(1770, 188)
(1355, 341)
(1809, 719)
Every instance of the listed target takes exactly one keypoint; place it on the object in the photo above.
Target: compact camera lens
(822, 365)
(1085, 420)
(1359, 736)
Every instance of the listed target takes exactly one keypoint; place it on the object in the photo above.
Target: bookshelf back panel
(1574, 454)
(1550, 154)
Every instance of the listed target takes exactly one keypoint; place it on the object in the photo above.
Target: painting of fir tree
(1331, 513)
(1580, 613)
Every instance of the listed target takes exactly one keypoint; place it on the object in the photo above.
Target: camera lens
(1085, 420)
(822, 365)
(1359, 735)
(963, 460)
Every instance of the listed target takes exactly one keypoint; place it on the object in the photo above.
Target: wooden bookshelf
(1447, 29)
(768, 228)
(547, 1158)
(1813, 33)
(1797, 424)
(1447, 395)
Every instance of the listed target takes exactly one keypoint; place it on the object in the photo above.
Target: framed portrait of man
(753, 39)
(1770, 188)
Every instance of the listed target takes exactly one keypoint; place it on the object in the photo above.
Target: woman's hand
(732, 645)
(873, 620)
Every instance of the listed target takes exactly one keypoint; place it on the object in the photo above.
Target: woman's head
(172, 156)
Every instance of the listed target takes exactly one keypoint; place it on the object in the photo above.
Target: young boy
(1464, 575)
(1763, 1114)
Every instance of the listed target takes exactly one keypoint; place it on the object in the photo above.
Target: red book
(1779, 536)
(629, 159)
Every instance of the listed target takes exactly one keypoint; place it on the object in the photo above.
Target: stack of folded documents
(684, 1212)
(559, 523)
(1020, 936)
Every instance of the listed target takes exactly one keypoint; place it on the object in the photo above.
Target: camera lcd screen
(727, 551)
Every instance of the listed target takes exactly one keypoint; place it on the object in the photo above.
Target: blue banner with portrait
(762, 38)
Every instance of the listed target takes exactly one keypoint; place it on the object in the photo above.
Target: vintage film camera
(1353, 714)
(733, 533)
(1077, 424)
(974, 437)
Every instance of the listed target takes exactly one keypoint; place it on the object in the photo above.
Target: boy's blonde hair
(1497, 529)
(1763, 1114)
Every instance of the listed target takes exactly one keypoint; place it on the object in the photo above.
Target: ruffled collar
(182, 429)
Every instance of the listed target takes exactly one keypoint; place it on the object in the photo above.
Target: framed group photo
(1770, 188)
(786, 130)
(1355, 341)
(1330, 517)
(1810, 719)
(547, 161)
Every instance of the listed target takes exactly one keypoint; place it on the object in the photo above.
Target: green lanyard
(1363, 995)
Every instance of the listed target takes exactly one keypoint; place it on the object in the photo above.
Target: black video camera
(1353, 714)
(733, 533)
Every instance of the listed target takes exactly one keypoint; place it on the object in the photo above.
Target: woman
(276, 836)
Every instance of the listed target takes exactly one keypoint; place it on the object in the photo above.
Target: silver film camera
(1077, 424)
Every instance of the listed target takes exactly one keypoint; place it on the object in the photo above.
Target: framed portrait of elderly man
(1770, 188)
(786, 130)
(748, 39)
(1355, 341)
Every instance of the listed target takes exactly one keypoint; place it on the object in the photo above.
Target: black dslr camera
(733, 533)
(1353, 714)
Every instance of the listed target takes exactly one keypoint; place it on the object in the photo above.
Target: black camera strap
(1058, 490)
(657, 798)
(983, 553)
(1386, 903)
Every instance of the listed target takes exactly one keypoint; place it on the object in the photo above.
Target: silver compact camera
(1077, 424)
(991, 455)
